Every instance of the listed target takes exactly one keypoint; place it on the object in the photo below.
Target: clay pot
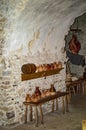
(44, 67)
(52, 88)
(59, 65)
(40, 68)
(43, 94)
(38, 97)
(34, 98)
(47, 92)
(55, 65)
(37, 91)
(52, 66)
(48, 66)
(28, 98)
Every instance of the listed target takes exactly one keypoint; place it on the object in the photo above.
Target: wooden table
(40, 102)
(76, 86)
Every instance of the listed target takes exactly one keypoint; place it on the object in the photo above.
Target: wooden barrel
(28, 68)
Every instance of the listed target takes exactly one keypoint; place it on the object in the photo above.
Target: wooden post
(56, 104)
(83, 87)
(41, 114)
(70, 95)
(36, 116)
(78, 87)
(31, 117)
(52, 105)
(66, 100)
(63, 104)
(74, 89)
(26, 112)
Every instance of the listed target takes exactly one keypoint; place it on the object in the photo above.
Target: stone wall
(13, 91)
(33, 32)
(81, 36)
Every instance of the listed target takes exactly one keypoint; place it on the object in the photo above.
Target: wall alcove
(80, 24)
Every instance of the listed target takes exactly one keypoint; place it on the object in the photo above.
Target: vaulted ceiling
(25, 21)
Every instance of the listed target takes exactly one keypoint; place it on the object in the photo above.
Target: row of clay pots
(50, 66)
(37, 95)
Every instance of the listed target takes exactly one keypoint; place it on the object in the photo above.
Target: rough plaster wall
(33, 31)
(75, 69)
(49, 20)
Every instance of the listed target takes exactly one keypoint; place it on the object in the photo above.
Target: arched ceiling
(32, 23)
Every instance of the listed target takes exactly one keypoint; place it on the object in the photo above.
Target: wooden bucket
(28, 68)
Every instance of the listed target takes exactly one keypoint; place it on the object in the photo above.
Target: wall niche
(78, 28)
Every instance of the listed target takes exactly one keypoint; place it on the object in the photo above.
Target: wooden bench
(39, 103)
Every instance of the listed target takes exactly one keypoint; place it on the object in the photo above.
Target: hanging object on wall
(76, 58)
(74, 48)
(74, 45)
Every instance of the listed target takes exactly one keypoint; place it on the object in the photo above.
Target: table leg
(56, 104)
(66, 100)
(69, 95)
(63, 104)
(36, 116)
(74, 89)
(31, 118)
(26, 112)
(78, 88)
(52, 105)
(83, 87)
(41, 114)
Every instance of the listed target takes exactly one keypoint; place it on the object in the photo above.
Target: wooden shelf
(40, 74)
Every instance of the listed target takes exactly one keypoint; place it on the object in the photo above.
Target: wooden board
(47, 98)
(40, 74)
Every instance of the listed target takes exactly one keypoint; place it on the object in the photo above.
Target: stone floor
(71, 120)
